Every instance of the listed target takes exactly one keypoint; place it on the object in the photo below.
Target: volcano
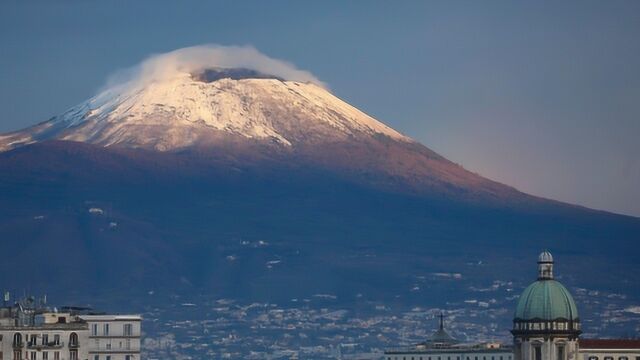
(251, 184)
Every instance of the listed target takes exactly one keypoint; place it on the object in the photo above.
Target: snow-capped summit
(237, 104)
(192, 109)
(193, 96)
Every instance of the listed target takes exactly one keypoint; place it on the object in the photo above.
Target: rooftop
(111, 317)
(609, 344)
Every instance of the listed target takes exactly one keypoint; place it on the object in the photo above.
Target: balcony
(49, 345)
(18, 345)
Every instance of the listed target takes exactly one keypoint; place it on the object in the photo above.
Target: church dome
(546, 299)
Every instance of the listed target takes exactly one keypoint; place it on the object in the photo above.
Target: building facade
(114, 337)
(609, 349)
(29, 330)
(28, 335)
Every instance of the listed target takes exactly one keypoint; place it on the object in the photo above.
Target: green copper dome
(546, 299)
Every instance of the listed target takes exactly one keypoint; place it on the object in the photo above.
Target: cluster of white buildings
(31, 331)
(546, 326)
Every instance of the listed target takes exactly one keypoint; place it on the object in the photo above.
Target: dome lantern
(545, 266)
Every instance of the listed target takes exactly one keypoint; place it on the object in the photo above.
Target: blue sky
(544, 96)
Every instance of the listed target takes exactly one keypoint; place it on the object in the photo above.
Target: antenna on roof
(441, 320)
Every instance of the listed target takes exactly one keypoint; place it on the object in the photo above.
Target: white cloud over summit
(193, 59)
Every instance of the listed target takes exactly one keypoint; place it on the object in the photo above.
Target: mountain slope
(121, 217)
(240, 113)
(206, 180)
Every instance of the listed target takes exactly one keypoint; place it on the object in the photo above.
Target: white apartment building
(48, 336)
(113, 337)
(31, 330)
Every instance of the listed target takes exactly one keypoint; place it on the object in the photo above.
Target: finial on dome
(545, 266)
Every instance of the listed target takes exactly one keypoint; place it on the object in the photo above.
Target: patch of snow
(633, 309)
(325, 296)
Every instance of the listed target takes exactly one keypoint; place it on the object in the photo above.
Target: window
(537, 353)
(96, 357)
(623, 358)
(56, 339)
(56, 355)
(73, 339)
(32, 355)
(17, 339)
(128, 346)
(45, 355)
(560, 352)
(17, 355)
(128, 357)
(105, 329)
(73, 354)
(608, 358)
(94, 329)
(108, 346)
(128, 329)
(593, 358)
(108, 357)
(45, 339)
